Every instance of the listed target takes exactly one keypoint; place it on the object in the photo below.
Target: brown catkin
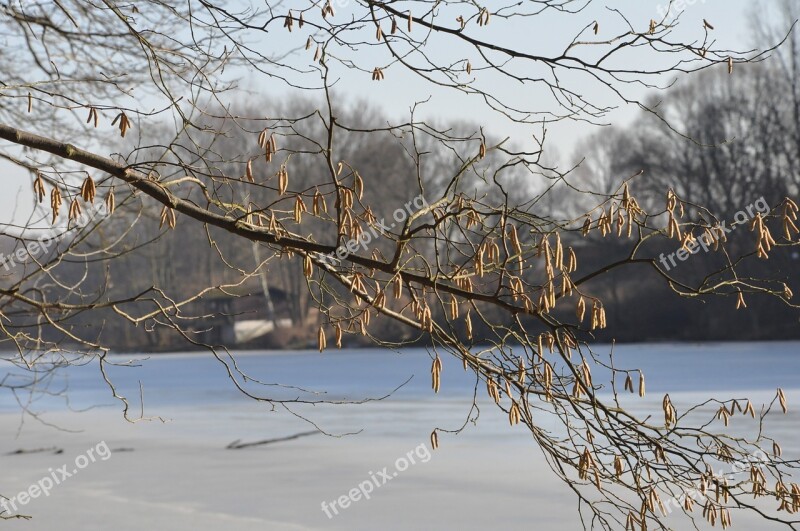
(580, 310)
(110, 202)
(322, 342)
(283, 180)
(249, 171)
(338, 331)
(514, 415)
(92, 116)
(397, 286)
(75, 209)
(299, 208)
(88, 190)
(55, 202)
(436, 372)
(453, 307)
(38, 187)
(740, 300)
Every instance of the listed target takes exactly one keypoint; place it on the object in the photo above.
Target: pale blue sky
(730, 18)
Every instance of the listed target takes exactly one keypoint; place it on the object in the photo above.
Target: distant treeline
(733, 144)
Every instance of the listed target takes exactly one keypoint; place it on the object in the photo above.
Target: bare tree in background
(479, 267)
(740, 148)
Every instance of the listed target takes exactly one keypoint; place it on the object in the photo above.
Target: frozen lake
(178, 475)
